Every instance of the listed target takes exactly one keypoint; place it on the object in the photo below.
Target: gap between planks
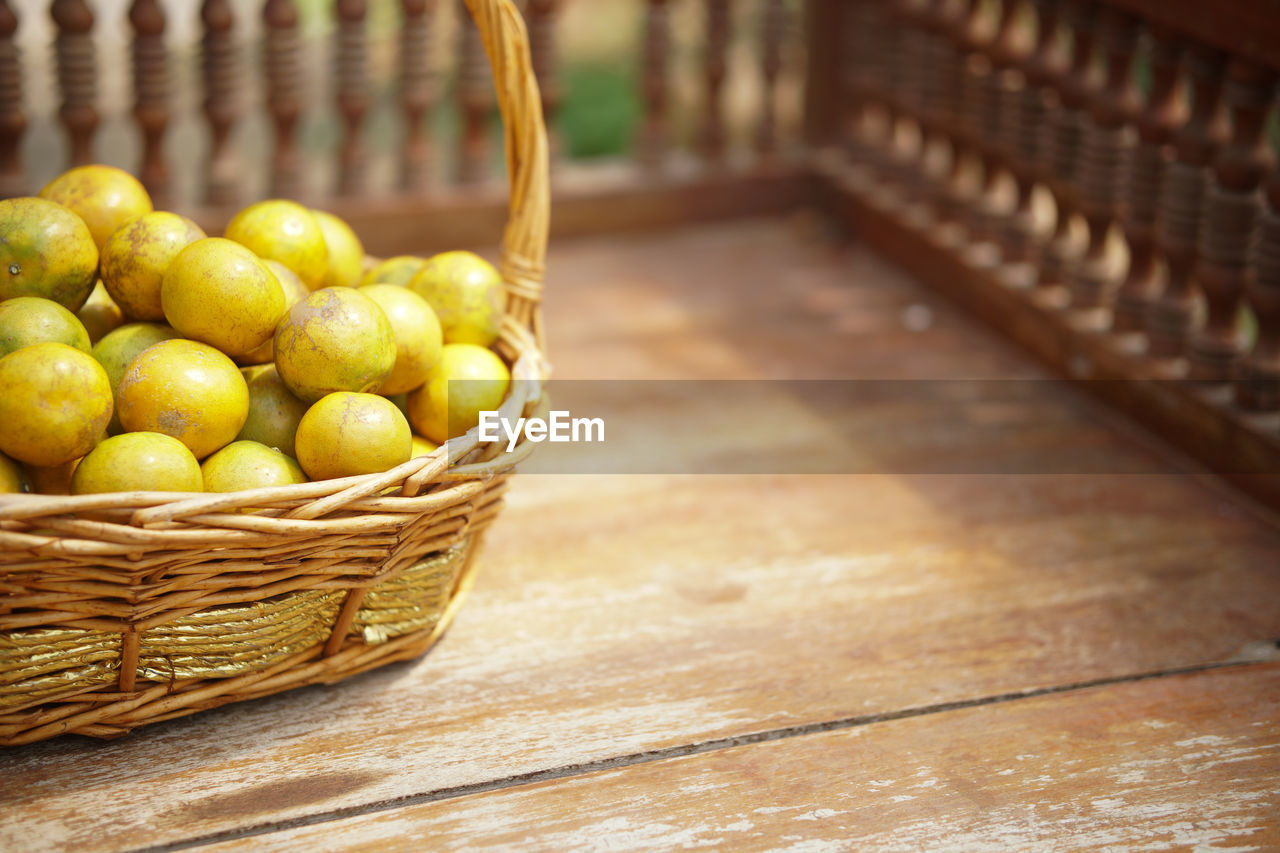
(1261, 651)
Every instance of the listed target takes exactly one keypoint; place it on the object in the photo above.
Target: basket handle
(524, 242)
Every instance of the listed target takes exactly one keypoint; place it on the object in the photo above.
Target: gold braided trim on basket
(228, 641)
(413, 601)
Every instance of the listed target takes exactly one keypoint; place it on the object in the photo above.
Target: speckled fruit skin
(45, 250)
(440, 410)
(283, 231)
(249, 465)
(103, 196)
(185, 389)
(31, 320)
(417, 332)
(55, 402)
(467, 295)
(398, 269)
(121, 346)
(219, 292)
(136, 257)
(11, 479)
(344, 249)
(346, 434)
(294, 292)
(274, 411)
(337, 339)
(138, 462)
(100, 313)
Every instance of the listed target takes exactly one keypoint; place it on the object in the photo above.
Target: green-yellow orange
(294, 292)
(398, 269)
(30, 320)
(138, 254)
(337, 339)
(100, 313)
(249, 465)
(138, 462)
(417, 333)
(344, 249)
(45, 250)
(55, 405)
(103, 196)
(185, 389)
(284, 231)
(121, 346)
(467, 295)
(467, 380)
(11, 479)
(219, 292)
(274, 411)
(346, 434)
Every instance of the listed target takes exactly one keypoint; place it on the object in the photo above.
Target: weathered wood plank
(1185, 762)
(619, 614)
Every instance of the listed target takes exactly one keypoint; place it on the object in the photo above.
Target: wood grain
(620, 614)
(1174, 763)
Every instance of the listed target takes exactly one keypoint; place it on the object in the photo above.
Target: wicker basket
(123, 609)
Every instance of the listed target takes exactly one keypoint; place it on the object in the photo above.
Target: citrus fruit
(399, 269)
(185, 389)
(52, 479)
(283, 231)
(274, 411)
(294, 292)
(138, 462)
(467, 380)
(45, 250)
(55, 406)
(100, 313)
(121, 346)
(249, 465)
(417, 334)
(344, 250)
(422, 447)
(467, 295)
(219, 292)
(103, 196)
(11, 479)
(136, 256)
(30, 320)
(337, 339)
(347, 433)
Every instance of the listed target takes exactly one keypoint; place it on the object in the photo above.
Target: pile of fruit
(138, 353)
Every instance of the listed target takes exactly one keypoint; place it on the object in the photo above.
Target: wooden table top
(774, 661)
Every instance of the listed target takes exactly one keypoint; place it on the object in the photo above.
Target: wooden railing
(261, 69)
(1007, 153)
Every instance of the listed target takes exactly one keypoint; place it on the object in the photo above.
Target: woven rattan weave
(123, 609)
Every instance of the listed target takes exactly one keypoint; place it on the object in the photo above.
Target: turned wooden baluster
(1107, 140)
(856, 79)
(151, 95)
(1042, 69)
(1172, 317)
(1258, 388)
(880, 50)
(282, 62)
(13, 121)
(713, 69)
(542, 16)
(1022, 113)
(475, 100)
(352, 69)
(1231, 209)
(774, 28)
(1156, 124)
(967, 67)
(908, 65)
(417, 92)
(935, 61)
(998, 86)
(221, 69)
(77, 76)
(651, 147)
(1062, 148)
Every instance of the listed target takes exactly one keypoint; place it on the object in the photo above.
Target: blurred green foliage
(600, 109)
